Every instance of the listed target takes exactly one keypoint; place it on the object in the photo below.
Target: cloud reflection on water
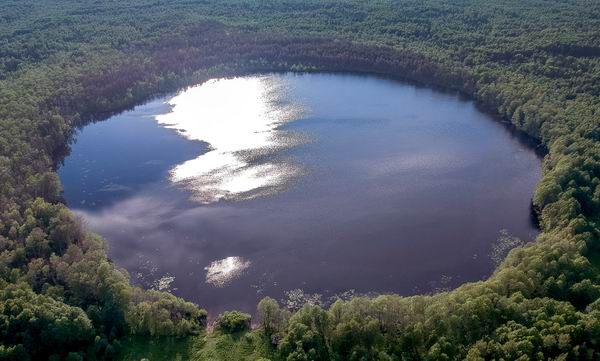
(238, 118)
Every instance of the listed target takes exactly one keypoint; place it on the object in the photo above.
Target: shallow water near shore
(302, 186)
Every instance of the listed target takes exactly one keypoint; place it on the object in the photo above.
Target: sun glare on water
(221, 272)
(238, 119)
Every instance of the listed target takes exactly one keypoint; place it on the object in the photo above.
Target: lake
(302, 187)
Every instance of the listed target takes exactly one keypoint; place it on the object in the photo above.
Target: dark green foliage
(40, 324)
(536, 63)
(356, 339)
(306, 335)
(233, 321)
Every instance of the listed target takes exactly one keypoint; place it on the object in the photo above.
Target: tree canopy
(536, 63)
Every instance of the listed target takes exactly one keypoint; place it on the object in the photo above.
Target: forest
(66, 63)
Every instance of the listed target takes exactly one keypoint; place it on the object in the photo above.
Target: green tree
(271, 316)
(233, 322)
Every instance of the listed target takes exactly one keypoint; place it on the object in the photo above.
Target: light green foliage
(232, 322)
(248, 346)
(156, 313)
(273, 319)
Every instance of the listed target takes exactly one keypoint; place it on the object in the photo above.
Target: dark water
(367, 185)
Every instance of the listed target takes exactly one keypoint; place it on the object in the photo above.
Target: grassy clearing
(157, 349)
(244, 346)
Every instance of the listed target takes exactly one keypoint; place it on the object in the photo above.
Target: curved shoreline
(256, 63)
(554, 267)
(399, 103)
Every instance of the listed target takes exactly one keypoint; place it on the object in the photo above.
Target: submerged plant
(503, 245)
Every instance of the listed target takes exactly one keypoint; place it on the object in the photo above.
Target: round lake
(302, 186)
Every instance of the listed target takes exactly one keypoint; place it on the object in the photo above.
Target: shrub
(233, 321)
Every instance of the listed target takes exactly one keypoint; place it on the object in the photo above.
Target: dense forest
(67, 63)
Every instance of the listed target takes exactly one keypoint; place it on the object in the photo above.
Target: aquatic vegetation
(504, 245)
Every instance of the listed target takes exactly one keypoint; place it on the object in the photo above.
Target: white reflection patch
(221, 272)
(238, 118)
(163, 283)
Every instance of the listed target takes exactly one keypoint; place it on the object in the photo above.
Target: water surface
(294, 184)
